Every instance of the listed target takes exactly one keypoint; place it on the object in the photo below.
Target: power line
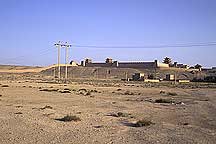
(150, 46)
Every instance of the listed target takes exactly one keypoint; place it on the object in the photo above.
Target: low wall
(147, 65)
(100, 65)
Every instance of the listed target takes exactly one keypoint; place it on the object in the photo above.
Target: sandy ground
(24, 119)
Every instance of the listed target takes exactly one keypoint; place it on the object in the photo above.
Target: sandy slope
(23, 69)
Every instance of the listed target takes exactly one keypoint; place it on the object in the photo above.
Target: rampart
(139, 65)
(146, 65)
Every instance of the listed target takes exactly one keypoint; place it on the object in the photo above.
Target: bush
(120, 114)
(172, 93)
(65, 91)
(88, 93)
(162, 92)
(129, 93)
(85, 90)
(142, 123)
(163, 101)
(69, 118)
(49, 90)
(94, 91)
(5, 85)
(18, 113)
(46, 107)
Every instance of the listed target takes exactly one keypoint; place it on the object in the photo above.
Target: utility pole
(66, 59)
(58, 45)
(54, 71)
(126, 76)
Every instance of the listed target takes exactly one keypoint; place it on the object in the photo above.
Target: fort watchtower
(108, 60)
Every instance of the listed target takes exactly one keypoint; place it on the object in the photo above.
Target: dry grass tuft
(49, 90)
(119, 114)
(142, 123)
(18, 113)
(69, 118)
(88, 93)
(172, 93)
(83, 89)
(129, 93)
(164, 101)
(46, 107)
(65, 91)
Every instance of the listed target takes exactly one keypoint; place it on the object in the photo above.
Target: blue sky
(29, 29)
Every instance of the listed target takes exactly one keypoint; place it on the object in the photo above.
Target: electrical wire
(149, 46)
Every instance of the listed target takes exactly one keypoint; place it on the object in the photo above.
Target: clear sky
(29, 29)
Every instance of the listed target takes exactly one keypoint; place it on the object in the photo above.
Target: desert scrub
(162, 92)
(164, 101)
(18, 113)
(88, 93)
(119, 114)
(5, 85)
(46, 107)
(65, 91)
(69, 118)
(49, 90)
(95, 91)
(129, 93)
(142, 123)
(83, 89)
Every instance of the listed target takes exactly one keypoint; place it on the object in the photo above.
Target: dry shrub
(88, 93)
(69, 118)
(46, 107)
(83, 89)
(129, 93)
(142, 123)
(65, 91)
(172, 93)
(119, 114)
(162, 92)
(5, 85)
(94, 91)
(18, 113)
(49, 90)
(164, 101)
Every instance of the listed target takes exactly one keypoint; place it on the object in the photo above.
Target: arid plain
(37, 109)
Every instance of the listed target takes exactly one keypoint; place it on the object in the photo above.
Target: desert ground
(37, 109)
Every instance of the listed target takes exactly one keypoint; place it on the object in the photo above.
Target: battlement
(110, 63)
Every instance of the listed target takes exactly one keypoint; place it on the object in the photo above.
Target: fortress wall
(146, 65)
(100, 65)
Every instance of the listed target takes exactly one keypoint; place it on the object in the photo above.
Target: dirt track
(190, 118)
